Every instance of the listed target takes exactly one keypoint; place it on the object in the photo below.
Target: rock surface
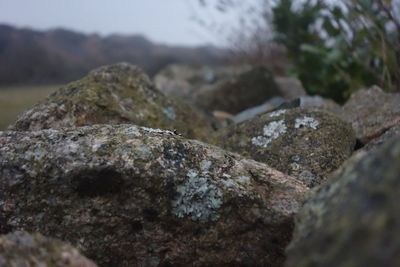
(20, 249)
(183, 81)
(250, 113)
(307, 144)
(379, 141)
(234, 95)
(372, 112)
(354, 220)
(114, 94)
(132, 196)
(291, 88)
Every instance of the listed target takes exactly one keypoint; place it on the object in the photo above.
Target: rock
(321, 103)
(278, 103)
(353, 220)
(132, 196)
(305, 143)
(183, 81)
(291, 88)
(313, 102)
(379, 141)
(250, 113)
(23, 249)
(113, 94)
(372, 112)
(234, 95)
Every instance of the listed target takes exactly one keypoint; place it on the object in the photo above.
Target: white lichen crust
(271, 132)
(277, 113)
(306, 122)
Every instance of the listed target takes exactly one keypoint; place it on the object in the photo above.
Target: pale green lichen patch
(271, 132)
(277, 113)
(197, 198)
(306, 122)
(170, 113)
(303, 142)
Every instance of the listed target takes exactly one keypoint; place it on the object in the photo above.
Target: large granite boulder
(306, 143)
(353, 220)
(114, 94)
(239, 93)
(132, 196)
(20, 249)
(372, 112)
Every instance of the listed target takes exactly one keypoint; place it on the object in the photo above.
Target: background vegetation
(16, 99)
(335, 47)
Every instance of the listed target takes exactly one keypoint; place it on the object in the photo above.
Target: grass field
(16, 99)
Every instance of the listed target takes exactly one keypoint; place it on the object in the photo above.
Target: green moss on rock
(353, 220)
(306, 143)
(114, 94)
(135, 196)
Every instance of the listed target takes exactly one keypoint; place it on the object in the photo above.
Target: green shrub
(339, 48)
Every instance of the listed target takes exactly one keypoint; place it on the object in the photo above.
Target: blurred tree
(336, 47)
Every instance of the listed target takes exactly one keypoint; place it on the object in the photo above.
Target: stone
(305, 143)
(114, 94)
(134, 196)
(182, 81)
(34, 250)
(250, 113)
(354, 219)
(372, 112)
(290, 87)
(313, 102)
(376, 143)
(239, 93)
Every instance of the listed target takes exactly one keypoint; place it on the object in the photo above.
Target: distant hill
(34, 57)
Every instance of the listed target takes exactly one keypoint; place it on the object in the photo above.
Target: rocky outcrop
(234, 95)
(23, 249)
(133, 196)
(353, 220)
(372, 112)
(113, 94)
(306, 143)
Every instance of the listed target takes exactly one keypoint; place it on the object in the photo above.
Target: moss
(305, 143)
(347, 220)
(114, 94)
(133, 195)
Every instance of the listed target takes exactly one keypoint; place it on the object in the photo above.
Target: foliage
(338, 48)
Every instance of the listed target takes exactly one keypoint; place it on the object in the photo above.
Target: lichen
(306, 122)
(170, 113)
(197, 198)
(157, 131)
(277, 113)
(271, 132)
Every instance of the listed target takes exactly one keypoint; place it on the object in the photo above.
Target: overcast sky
(167, 21)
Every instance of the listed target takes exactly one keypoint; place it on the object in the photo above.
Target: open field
(16, 99)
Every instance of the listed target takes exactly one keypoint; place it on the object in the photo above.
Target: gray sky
(165, 21)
